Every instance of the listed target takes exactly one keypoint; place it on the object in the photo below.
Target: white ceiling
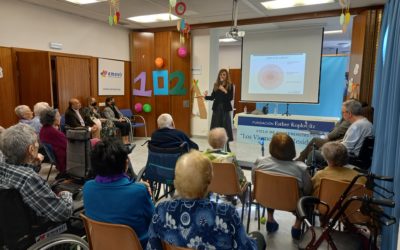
(206, 11)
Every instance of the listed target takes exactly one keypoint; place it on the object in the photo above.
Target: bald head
(165, 121)
(217, 138)
(74, 104)
(193, 174)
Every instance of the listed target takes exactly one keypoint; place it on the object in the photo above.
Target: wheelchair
(160, 168)
(353, 236)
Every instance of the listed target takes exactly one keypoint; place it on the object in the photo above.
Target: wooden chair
(167, 246)
(276, 191)
(106, 236)
(226, 182)
(330, 192)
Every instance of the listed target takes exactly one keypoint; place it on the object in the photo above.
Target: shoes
(296, 233)
(272, 226)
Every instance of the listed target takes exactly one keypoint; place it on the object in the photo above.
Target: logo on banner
(111, 74)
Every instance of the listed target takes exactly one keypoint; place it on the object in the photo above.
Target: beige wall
(29, 26)
(230, 57)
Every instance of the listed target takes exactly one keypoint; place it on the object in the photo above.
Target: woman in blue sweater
(112, 197)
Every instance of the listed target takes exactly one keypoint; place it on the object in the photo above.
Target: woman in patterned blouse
(193, 221)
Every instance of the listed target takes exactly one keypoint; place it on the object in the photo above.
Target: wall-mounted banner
(111, 77)
(164, 88)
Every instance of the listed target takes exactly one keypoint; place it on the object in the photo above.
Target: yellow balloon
(115, 19)
(347, 18)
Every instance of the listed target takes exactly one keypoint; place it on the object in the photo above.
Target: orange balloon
(159, 62)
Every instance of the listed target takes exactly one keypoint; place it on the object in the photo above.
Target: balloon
(183, 24)
(182, 52)
(159, 62)
(172, 3)
(138, 107)
(341, 19)
(347, 18)
(110, 20)
(118, 15)
(115, 19)
(147, 108)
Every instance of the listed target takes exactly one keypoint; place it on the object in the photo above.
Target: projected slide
(277, 74)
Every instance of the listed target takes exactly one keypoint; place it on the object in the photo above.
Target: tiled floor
(246, 153)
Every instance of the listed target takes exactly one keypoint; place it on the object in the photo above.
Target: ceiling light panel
(155, 18)
(281, 4)
(81, 2)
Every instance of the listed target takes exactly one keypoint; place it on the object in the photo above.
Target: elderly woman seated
(282, 151)
(50, 134)
(335, 154)
(114, 198)
(192, 220)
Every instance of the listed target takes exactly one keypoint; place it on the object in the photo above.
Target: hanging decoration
(114, 16)
(172, 4)
(182, 25)
(345, 17)
(180, 8)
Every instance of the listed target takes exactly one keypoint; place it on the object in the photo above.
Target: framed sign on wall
(111, 77)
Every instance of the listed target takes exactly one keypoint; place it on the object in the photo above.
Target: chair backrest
(160, 166)
(107, 236)
(167, 246)
(126, 112)
(49, 152)
(225, 180)
(365, 155)
(276, 191)
(62, 123)
(330, 192)
(78, 153)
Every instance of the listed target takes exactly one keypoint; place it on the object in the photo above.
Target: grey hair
(14, 142)
(335, 153)
(164, 121)
(20, 109)
(48, 116)
(353, 106)
(217, 138)
(40, 107)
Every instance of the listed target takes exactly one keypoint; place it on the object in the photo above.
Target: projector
(235, 33)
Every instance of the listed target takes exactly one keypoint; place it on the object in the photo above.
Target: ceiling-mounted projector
(234, 32)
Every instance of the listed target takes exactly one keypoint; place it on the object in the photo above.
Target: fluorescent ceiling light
(163, 17)
(327, 32)
(281, 4)
(85, 1)
(227, 40)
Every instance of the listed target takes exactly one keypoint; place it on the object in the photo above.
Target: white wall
(25, 25)
(201, 70)
(230, 57)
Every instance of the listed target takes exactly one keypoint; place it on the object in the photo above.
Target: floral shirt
(198, 224)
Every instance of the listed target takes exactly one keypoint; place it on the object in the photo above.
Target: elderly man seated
(217, 139)
(74, 118)
(20, 145)
(25, 116)
(38, 108)
(193, 221)
(167, 136)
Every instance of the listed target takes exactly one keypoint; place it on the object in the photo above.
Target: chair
(226, 182)
(61, 241)
(364, 159)
(330, 192)
(50, 155)
(107, 236)
(62, 124)
(160, 168)
(167, 246)
(128, 113)
(275, 191)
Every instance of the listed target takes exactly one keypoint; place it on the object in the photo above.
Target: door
(8, 90)
(34, 77)
(73, 78)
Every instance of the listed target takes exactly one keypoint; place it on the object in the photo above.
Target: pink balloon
(138, 107)
(182, 52)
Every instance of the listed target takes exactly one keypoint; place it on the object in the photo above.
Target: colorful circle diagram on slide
(270, 76)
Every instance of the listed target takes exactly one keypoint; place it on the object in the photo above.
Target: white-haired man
(167, 136)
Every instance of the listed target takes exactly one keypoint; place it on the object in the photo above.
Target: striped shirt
(35, 192)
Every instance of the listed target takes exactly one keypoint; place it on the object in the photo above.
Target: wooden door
(8, 90)
(34, 77)
(73, 80)
(236, 78)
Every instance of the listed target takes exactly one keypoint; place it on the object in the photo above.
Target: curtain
(386, 103)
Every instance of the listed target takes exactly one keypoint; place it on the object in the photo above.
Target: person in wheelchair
(205, 224)
(20, 146)
(167, 136)
(335, 154)
(282, 151)
(112, 196)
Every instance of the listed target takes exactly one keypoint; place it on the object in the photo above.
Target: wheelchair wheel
(61, 241)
